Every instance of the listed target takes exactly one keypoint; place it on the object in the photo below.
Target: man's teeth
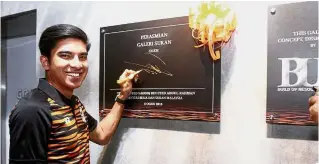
(74, 74)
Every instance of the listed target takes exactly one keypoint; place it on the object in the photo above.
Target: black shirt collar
(54, 94)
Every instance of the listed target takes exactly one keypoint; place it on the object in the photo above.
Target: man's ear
(44, 62)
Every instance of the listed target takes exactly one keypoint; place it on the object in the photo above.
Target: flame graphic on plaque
(212, 24)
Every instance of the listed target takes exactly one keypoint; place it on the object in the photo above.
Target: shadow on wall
(109, 153)
(292, 132)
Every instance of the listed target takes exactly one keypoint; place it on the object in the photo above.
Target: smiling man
(50, 124)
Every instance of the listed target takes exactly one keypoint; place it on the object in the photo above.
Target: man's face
(68, 64)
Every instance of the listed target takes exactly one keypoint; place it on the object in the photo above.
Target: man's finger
(124, 74)
(128, 78)
(128, 72)
(314, 111)
(313, 100)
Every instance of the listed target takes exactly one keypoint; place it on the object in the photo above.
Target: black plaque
(177, 81)
(292, 66)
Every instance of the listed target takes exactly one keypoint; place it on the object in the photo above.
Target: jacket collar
(54, 94)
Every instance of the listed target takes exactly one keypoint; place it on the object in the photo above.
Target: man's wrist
(120, 99)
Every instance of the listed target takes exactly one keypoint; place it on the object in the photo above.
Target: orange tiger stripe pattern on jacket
(69, 138)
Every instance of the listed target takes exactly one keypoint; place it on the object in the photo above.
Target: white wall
(243, 138)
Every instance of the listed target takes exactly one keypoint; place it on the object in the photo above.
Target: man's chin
(74, 85)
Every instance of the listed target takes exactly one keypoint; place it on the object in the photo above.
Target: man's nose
(75, 62)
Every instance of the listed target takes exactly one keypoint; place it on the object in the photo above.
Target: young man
(50, 124)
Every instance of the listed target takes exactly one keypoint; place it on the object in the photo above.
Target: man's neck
(64, 91)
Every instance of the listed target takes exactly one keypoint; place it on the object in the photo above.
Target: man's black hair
(55, 33)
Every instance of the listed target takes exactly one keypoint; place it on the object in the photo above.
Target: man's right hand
(126, 87)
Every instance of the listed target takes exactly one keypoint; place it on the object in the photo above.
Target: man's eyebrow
(67, 52)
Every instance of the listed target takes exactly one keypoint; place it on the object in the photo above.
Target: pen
(128, 78)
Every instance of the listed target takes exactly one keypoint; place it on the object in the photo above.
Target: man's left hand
(313, 107)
